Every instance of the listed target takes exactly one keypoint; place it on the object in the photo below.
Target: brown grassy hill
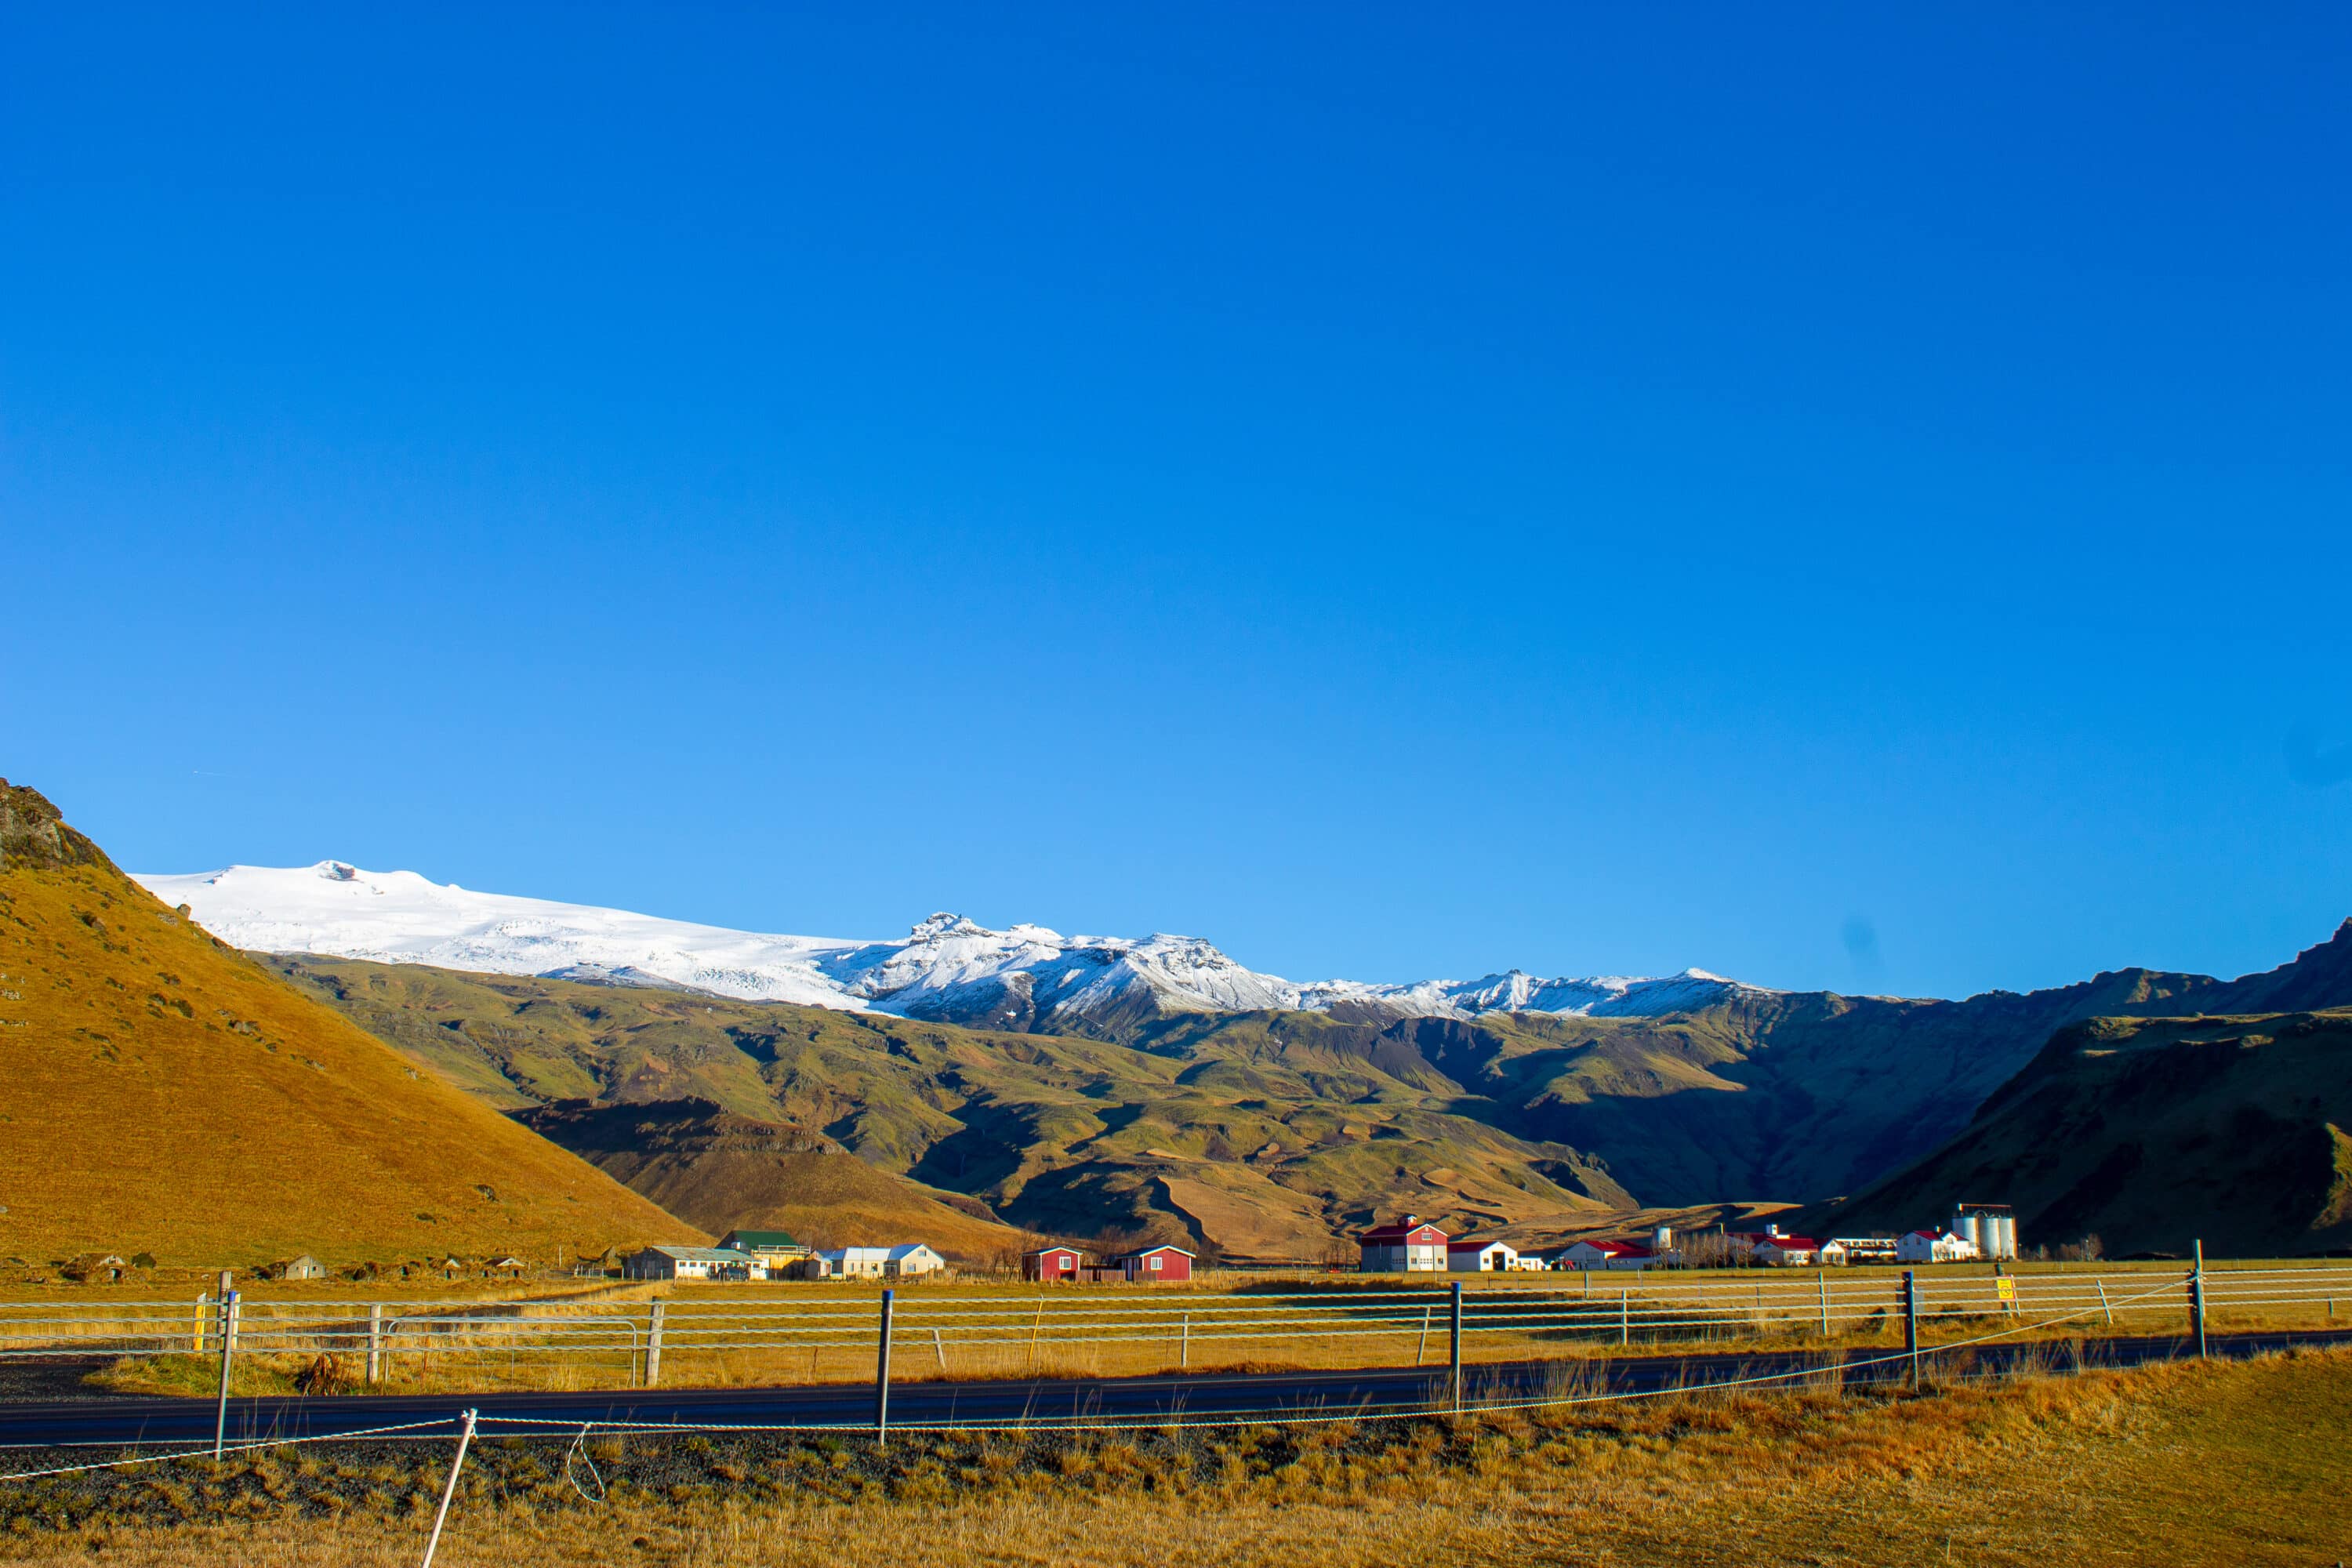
(2153, 1133)
(161, 1093)
(1269, 1135)
(722, 1170)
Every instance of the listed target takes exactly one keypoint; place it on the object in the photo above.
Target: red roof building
(1405, 1246)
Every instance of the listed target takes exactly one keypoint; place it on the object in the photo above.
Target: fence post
(2196, 1295)
(882, 1377)
(1822, 1283)
(653, 1347)
(939, 1348)
(1911, 1323)
(228, 1348)
(464, 1441)
(375, 1343)
(1184, 1351)
(1456, 1334)
(1625, 1315)
(2104, 1305)
(203, 1325)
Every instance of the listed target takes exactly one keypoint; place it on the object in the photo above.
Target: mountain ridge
(948, 969)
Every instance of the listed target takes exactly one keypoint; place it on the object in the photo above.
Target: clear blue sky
(1854, 497)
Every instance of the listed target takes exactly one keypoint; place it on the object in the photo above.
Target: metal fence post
(227, 1349)
(1822, 1283)
(464, 1441)
(1456, 1335)
(1911, 1323)
(939, 1348)
(375, 1343)
(2104, 1305)
(1184, 1349)
(1625, 1315)
(882, 1376)
(653, 1347)
(2197, 1295)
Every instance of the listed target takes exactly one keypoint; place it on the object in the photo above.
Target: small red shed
(1051, 1264)
(1158, 1265)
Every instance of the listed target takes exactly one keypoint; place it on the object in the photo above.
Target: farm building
(1480, 1257)
(777, 1247)
(1991, 1227)
(1051, 1265)
(904, 1261)
(910, 1258)
(693, 1263)
(1935, 1247)
(1406, 1246)
(1591, 1255)
(1157, 1266)
(1780, 1250)
(506, 1265)
(1860, 1249)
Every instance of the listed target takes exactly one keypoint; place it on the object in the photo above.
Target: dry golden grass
(2240, 1463)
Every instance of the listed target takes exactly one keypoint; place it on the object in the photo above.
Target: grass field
(797, 1333)
(2239, 1463)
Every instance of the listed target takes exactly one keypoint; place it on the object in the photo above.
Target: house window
(1155, 1261)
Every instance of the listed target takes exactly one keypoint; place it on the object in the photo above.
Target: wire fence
(830, 1335)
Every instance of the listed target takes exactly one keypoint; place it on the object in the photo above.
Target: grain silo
(1991, 1226)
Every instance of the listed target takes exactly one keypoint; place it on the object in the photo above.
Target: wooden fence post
(375, 1343)
(227, 1349)
(882, 1376)
(1822, 1281)
(653, 1347)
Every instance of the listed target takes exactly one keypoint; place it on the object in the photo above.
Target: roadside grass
(2182, 1463)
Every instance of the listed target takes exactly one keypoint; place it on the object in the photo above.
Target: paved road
(1045, 1401)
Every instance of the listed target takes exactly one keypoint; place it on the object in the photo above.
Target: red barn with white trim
(1158, 1265)
(1052, 1264)
(1407, 1247)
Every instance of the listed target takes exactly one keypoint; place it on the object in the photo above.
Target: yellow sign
(2005, 1288)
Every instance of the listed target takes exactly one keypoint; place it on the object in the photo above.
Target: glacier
(947, 967)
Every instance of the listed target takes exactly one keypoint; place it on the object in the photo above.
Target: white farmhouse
(1934, 1246)
(1480, 1257)
(1591, 1255)
(693, 1263)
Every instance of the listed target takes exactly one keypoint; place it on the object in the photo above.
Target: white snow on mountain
(947, 967)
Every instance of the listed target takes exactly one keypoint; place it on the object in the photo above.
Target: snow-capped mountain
(947, 967)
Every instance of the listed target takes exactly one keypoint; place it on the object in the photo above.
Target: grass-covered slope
(1264, 1134)
(722, 1170)
(161, 1093)
(2153, 1133)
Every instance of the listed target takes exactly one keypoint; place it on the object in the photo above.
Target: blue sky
(1853, 499)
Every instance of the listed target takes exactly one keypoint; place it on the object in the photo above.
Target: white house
(1779, 1251)
(910, 1258)
(903, 1261)
(1480, 1257)
(1531, 1261)
(1934, 1246)
(693, 1263)
(1591, 1255)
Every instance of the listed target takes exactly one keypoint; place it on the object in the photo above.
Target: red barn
(1049, 1264)
(1408, 1247)
(1158, 1265)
